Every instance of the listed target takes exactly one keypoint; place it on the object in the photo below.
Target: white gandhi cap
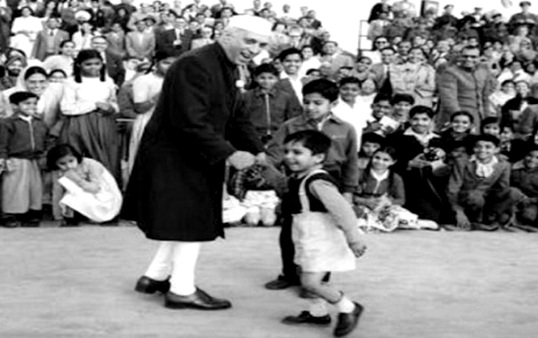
(251, 23)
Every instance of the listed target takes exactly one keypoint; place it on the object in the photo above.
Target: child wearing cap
(22, 144)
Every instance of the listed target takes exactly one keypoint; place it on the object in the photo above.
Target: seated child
(420, 157)
(370, 143)
(524, 177)
(269, 106)
(402, 104)
(459, 131)
(491, 126)
(82, 187)
(380, 121)
(478, 190)
(512, 149)
(22, 144)
(324, 228)
(381, 193)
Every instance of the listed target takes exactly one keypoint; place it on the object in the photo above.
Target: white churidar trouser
(178, 260)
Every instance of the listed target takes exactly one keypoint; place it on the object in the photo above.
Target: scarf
(484, 170)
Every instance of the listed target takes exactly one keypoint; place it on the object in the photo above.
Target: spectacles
(469, 56)
(384, 42)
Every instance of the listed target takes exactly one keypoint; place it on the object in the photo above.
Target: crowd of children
(407, 130)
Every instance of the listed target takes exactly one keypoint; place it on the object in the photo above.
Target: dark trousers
(290, 270)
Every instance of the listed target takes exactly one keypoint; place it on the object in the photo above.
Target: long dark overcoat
(175, 189)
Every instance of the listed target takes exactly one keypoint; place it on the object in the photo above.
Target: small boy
(341, 162)
(345, 107)
(324, 231)
(380, 121)
(22, 144)
(479, 188)
(268, 106)
(525, 178)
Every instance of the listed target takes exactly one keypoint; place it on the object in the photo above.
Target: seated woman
(420, 158)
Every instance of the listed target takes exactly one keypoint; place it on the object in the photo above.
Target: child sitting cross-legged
(479, 190)
(380, 194)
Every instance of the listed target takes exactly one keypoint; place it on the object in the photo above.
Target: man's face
(469, 58)
(387, 56)
(329, 48)
(99, 44)
(14, 68)
(241, 45)
(180, 23)
(53, 23)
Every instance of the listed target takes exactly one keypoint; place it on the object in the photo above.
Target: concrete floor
(78, 282)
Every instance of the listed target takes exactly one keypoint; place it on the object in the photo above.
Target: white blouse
(81, 98)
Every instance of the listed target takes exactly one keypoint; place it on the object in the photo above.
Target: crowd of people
(437, 121)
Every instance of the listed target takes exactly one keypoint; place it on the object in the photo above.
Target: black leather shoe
(280, 283)
(200, 300)
(306, 318)
(148, 285)
(347, 322)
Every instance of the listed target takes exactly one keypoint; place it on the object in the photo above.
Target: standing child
(459, 131)
(345, 107)
(341, 161)
(22, 143)
(82, 187)
(89, 105)
(324, 231)
(479, 190)
(146, 90)
(269, 106)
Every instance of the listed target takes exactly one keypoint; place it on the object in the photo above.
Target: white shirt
(354, 115)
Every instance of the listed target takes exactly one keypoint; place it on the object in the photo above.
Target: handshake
(243, 159)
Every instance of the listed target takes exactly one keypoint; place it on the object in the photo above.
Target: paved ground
(77, 282)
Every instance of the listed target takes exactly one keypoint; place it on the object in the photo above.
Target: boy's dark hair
(381, 97)
(287, 52)
(388, 48)
(487, 138)
(265, 68)
(314, 140)
(489, 120)
(373, 138)
(349, 80)
(22, 96)
(421, 110)
(462, 113)
(505, 82)
(60, 151)
(389, 150)
(323, 87)
(531, 148)
(311, 70)
(397, 98)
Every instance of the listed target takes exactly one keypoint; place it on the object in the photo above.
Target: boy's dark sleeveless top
(291, 204)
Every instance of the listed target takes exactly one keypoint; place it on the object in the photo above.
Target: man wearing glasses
(465, 86)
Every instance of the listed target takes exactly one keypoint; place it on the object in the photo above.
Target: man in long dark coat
(175, 190)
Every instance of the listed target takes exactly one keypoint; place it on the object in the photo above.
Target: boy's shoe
(11, 222)
(485, 227)
(281, 283)
(69, 222)
(347, 322)
(33, 223)
(150, 286)
(306, 318)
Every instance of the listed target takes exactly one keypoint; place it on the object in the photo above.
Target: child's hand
(462, 221)
(106, 107)
(358, 248)
(72, 175)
